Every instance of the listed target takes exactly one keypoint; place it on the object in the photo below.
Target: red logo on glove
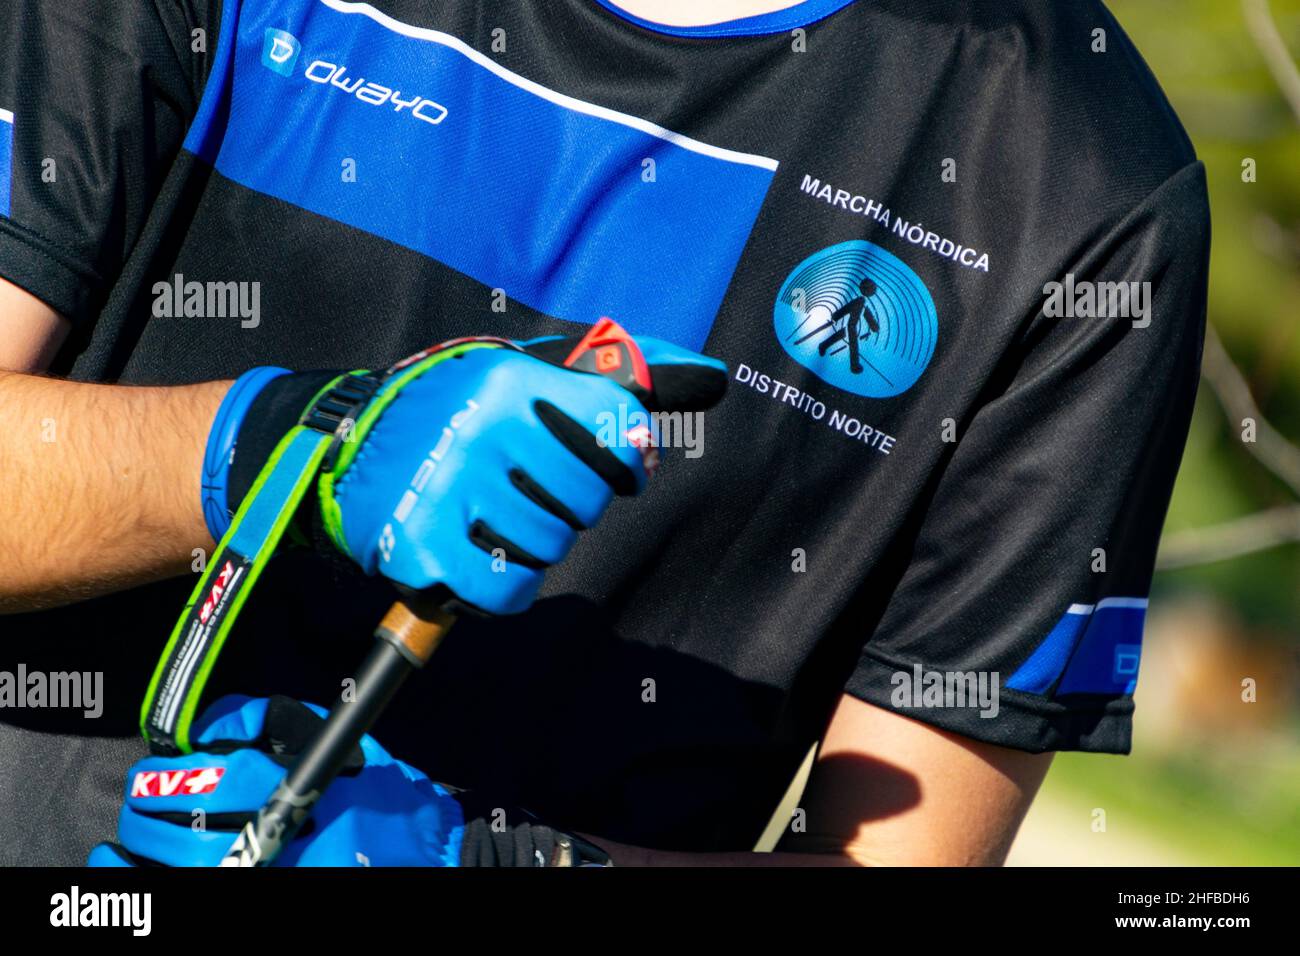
(176, 783)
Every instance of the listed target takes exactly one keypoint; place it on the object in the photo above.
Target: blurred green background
(1213, 778)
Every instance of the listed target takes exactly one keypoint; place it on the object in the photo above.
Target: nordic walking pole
(405, 640)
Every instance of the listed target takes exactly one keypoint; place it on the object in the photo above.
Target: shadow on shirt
(552, 710)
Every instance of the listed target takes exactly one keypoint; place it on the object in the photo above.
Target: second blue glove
(187, 810)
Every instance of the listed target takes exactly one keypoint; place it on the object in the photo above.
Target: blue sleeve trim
(1093, 649)
(800, 15)
(221, 445)
(204, 135)
(6, 159)
(1037, 674)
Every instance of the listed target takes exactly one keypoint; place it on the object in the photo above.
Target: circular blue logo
(859, 318)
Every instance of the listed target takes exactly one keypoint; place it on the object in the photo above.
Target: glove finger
(384, 817)
(542, 469)
(495, 584)
(233, 717)
(688, 386)
(597, 420)
(483, 581)
(514, 521)
(682, 380)
(173, 844)
(657, 352)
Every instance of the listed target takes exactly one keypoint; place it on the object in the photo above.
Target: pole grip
(415, 627)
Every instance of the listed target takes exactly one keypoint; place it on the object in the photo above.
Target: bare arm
(100, 483)
(890, 791)
(30, 331)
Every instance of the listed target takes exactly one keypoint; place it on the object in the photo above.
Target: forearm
(100, 485)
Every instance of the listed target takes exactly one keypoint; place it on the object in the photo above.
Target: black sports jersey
(953, 254)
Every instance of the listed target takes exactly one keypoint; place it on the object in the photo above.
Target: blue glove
(479, 475)
(378, 812)
(474, 466)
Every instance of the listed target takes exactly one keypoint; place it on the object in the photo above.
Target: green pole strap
(254, 536)
(322, 444)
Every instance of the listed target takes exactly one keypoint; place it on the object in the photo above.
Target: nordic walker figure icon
(853, 312)
(859, 318)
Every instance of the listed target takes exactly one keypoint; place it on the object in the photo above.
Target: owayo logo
(859, 318)
(280, 51)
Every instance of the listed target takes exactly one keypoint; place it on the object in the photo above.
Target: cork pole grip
(418, 629)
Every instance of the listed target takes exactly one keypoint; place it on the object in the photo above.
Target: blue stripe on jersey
(576, 210)
(780, 21)
(1092, 650)
(1037, 674)
(1106, 659)
(6, 160)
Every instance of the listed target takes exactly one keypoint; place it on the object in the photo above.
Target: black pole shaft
(380, 676)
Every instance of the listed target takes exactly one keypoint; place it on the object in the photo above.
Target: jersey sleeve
(95, 98)
(1018, 617)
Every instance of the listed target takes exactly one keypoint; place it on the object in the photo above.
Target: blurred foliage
(1202, 53)
(1209, 808)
